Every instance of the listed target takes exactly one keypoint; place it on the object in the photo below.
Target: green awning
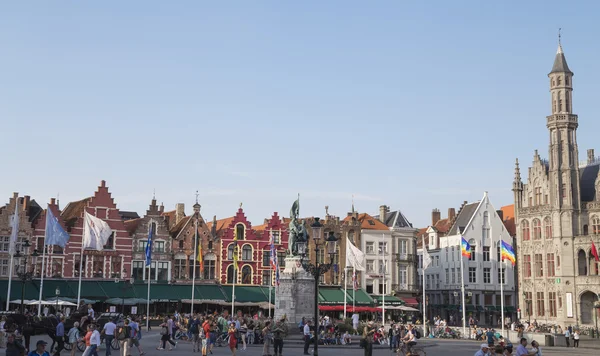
(331, 296)
(210, 292)
(31, 290)
(126, 301)
(361, 297)
(490, 308)
(389, 300)
(509, 309)
(470, 307)
(122, 289)
(480, 308)
(452, 307)
(91, 290)
(246, 294)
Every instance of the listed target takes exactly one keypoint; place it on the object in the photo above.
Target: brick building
(55, 256)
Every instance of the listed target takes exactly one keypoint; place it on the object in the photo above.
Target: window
(246, 275)
(266, 260)
(472, 275)
(528, 305)
(502, 275)
(382, 247)
(210, 267)
(595, 225)
(137, 270)
(452, 253)
(527, 266)
(498, 257)
(427, 285)
(370, 266)
(210, 244)
(142, 245)
(487, 278)
(552, 304)
(240, 229)
(382, 267)
(545, 199)
(548, 227)
(585, 227)
(266, 278)
(97, 269)
(230, 252)
(563, 191)
(403, 247)
(231, 274)
(453, 276)
(473, 249)
(525, 230)
(447, 275)
(163, 271)
(281, 259)
(538, 195)
(4, 244)
(276, 237)
(370, 247)
(181, 244)
(159, 246)
(247, 253)
(321, 255)
(179, 270)
(486, 254)
(537, 229)
(194, 265)
(539, 265)
(550, 264)
(110, 243)
(403, 275)
(540, 303)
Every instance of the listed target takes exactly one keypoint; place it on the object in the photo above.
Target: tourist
(536, 348)
(567, 337)
(355, 320)
(368, 332)
(205, 335)
(165, 333)
(73, 336)
(14, 347)
(123, 335)
(279, 334)
(232, 339)
(94, 341)
(195, 332)
(499, 350)
(576, 338)
(40, 349)
(109, 334)
(87, 339)
(136, 335)
(483, 350)
(410, 338)
(60, 336)
(522, 349)
(90, 312)
(307, 336)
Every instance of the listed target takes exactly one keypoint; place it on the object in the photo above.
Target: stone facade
(557, 216)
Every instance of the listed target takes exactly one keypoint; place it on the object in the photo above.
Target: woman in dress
(232, 340)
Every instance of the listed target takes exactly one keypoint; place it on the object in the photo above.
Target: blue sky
(417, 105)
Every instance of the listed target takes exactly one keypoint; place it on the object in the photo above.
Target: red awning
(410, 301)
(349, 308)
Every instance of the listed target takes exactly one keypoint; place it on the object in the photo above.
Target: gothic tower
(563, 152)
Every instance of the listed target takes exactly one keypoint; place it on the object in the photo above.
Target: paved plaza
(433, 347)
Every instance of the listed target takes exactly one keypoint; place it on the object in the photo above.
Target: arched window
(595, 225)
(581, 263)
(559, 102)
(230, 274)
(239, 229)
(152, 228)
(525, 230)
(246, 275)
(593, 265)
(247, 253)
(585, 230)
(230, 252)
(537, 229)
(567, 80)
(558, 80)
(553, 102)
(351, 236)
(548, 227)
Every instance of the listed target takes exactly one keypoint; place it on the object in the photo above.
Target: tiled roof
(221, 224)
(170, 216)
(74, 209)
(508, 213)
(420, 233)
(368, 222)
(132, 225)
(560, 62)
(463, 218)
(587, 181)
(260, 227)
(443, 225)
(395, 219)
(128, 215)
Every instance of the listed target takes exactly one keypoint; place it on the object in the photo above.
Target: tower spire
(517, 171)
(352, 203)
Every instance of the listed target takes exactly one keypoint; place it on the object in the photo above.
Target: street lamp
(57, 293)
(25, 275)
(123, 289)
(318, 269)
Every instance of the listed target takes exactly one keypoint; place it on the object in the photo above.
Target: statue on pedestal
(297, 229)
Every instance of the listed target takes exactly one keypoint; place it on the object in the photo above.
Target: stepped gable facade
(55, 256)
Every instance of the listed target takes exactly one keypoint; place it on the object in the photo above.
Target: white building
(483, 228)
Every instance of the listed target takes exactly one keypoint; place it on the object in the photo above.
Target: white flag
(350, 258)
(95, 232)
(354, 257)
(14, 224)
(426, 258)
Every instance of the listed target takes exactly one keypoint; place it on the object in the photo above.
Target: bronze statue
(297, 229)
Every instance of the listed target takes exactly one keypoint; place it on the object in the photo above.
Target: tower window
(563, 192)
(558, 80)
(567, 80)
(567, 102)
(559, 103)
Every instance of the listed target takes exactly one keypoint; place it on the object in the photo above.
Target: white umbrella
(408, 308)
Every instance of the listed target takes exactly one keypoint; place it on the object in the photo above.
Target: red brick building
(114, 261)
(55, 256)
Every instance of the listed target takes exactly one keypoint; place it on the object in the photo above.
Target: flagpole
(14, 235)
(424, 298)
(384, 285)
(345, 289)
(10, 273)
(354, 290)
(462, 289)
(43, 272)
(270, 289)
(149, 263)
(148, 303)
(81, 259)
(501, 286)
(233, 290)
(194, 255)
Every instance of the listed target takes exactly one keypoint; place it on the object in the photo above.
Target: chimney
(451, 214)
(382, 213)
(591, 157)
(179, 212)
(500, 214)
(52, 201)
(102, 184)
(26, 200)
(435, 216)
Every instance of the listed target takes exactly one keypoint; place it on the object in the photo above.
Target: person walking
(73, 336)
(109, 334)
(279, 334)
(165, 335)
(60, 336)
(268, 339)
(368, 332)
(243, 331)
(171, 326)
(88, 341)
(232, 339)
(14, 347)
(195, 331)
(307, 336)
(576, 338)
(568, 337)
(123, 335)
(136, 335)
(94, 341)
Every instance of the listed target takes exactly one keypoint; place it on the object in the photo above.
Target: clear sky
(417, 105)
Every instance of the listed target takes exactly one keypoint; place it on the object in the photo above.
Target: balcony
(407, 288)
(404, 257)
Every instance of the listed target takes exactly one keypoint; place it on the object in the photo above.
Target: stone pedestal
(295, 295)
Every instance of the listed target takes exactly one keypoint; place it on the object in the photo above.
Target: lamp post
(57, 293)
(123, 289)
(318, 269)
(24, 275)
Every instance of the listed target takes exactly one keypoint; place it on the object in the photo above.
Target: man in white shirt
(355, 319)
(109, 335)
(307, 338)
(522, 349)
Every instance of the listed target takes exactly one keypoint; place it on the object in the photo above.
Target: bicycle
(223, 339)
(80, 345)
(414, 350)
(181, 335)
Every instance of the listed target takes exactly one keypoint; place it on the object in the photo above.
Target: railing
(412, 288)
(404, 257)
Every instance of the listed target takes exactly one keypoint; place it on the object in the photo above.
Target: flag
(465, 248)
(594, 252)
(274, 260)
(354, 257)
(95, 232)
(200, 256)
(149, 246)
(508, 253)
(14, 223)
(426, 258)
(277, 276)
(55, 234)
(354, 280)
(235, 250)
